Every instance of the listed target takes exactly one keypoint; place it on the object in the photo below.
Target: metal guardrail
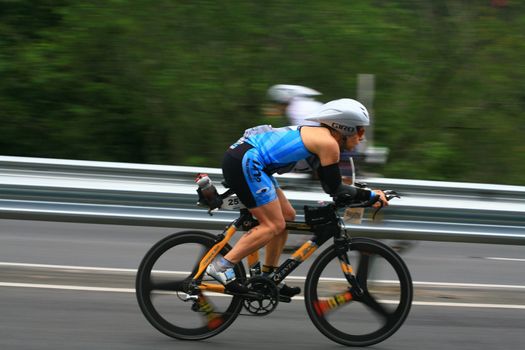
(158, 195)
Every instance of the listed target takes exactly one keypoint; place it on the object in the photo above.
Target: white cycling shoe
(224, 277)
(228, 279)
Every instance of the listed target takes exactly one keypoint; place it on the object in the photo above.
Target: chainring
(269, 296)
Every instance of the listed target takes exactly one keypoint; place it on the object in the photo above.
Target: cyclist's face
(355, 139)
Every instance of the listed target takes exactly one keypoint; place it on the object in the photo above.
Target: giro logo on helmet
(344, 128)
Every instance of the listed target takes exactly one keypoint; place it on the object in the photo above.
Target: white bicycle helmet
(343, 115)
(283, 93)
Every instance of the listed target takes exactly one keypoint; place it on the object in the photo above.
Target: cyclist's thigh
(286, 206)
(247, 178)
(261, 185)
(270, 214)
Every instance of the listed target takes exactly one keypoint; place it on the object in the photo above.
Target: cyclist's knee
(272, 217)
(279, 226)
(276, 226)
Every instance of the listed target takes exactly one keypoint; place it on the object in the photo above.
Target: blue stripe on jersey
(288, 150)
(278, 148)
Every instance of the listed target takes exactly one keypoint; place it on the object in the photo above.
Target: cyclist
(298, 103)
(295, 101)
(248, 166)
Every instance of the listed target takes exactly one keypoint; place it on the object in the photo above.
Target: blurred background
(176, 82)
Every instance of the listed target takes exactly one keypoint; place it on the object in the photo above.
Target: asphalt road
(46, 300)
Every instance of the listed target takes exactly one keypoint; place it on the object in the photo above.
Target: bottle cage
(227, 201)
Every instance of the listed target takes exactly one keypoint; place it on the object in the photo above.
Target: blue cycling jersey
(279, 149)
(261, 152)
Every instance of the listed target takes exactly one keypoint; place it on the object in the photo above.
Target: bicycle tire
(175, 317)
(345, 328)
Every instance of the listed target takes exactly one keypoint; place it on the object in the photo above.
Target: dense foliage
(175, 82)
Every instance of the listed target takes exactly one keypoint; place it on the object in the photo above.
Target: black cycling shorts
(244, 172)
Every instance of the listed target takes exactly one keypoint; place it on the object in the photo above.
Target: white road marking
(289, 278)
(485, 306)
(131, 290)
(504, 259)
(66, 267)
(85, 268)
(298, 278)
(66, 287)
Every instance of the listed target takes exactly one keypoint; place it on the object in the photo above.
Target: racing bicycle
(357, 292)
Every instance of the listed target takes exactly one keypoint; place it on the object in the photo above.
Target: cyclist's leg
(244, 170)
(275, 247)
(271, 224)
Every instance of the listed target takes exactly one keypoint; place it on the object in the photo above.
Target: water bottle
(207, 190)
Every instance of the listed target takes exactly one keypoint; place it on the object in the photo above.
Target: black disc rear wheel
(161, 287)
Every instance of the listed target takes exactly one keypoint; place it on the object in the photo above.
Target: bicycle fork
(324, 306)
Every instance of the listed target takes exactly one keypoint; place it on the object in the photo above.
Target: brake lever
(377, 210)
(389, 194)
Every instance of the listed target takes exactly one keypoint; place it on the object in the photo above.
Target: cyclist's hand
(382, 201)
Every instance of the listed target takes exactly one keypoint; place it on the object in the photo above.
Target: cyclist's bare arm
(319, 141)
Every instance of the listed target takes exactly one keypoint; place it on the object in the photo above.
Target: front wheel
(359, 318)
(161, 288)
